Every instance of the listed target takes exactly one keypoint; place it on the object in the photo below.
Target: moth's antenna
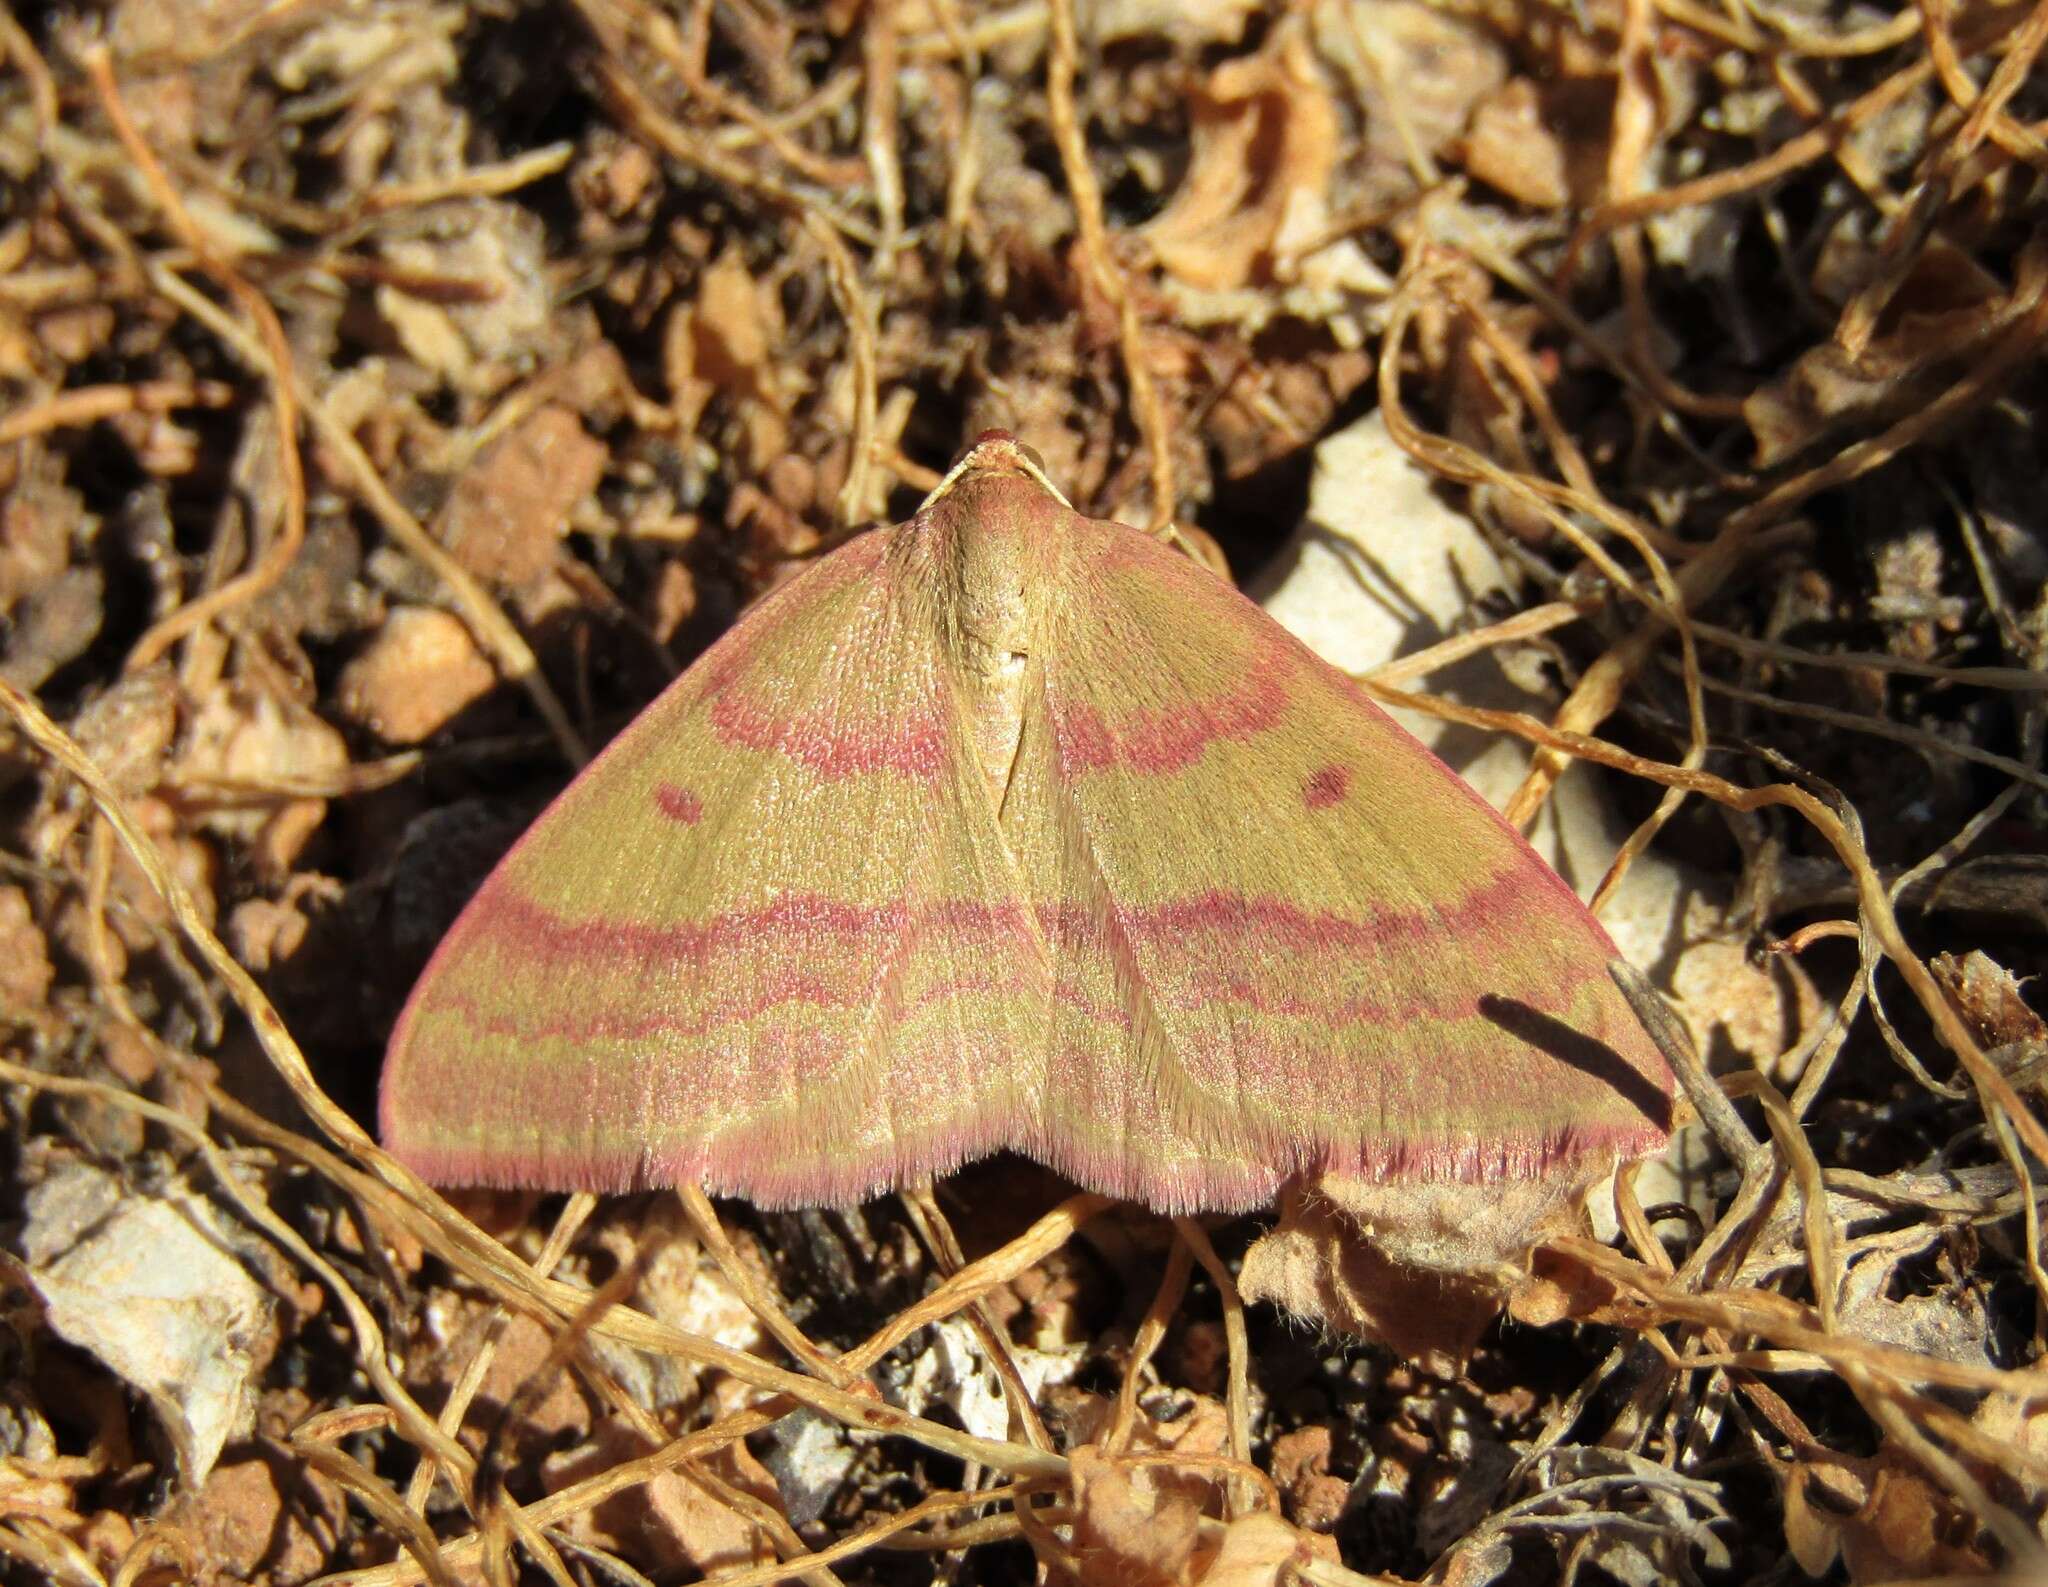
(1015, 452)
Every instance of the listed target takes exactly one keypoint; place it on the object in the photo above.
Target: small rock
(1382, 567)
(124, 1050)
(555, 1409)
(668, 1523)
(268, 1517)
(504, 521)
(420, 672)
(37, 521)
(24, 957)
(809, 1457)
(1301, 1468)
(53, 627)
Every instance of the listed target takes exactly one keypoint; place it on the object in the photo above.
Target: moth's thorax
(991, 536)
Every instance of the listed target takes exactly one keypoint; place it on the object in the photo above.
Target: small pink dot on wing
(1326, 787)
(680, 805)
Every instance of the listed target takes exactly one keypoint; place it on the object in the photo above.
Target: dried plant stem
(1630, 134)
(1786, 1323)
(1173, 1284)
(760, 1299)
(855, 504)
(375, 1495)
(1447, 652)
(158, 1543)
(530, 1520)
(1708, 1099)
(1581, 489)
(1825, 1268)
(1600, 687)
(575, 1212)
(99, 67)
(868, 1537)
(371, 1351)
(1062, 62)
(879, 63)
(1460, 462)
(2024, 324)
(1860, 722)
(1237, 1395)
(83, 405)
(821, 223)
(503, 1521)
(509, 652)
(35, 72)
(477, 181)
(1789, 156)
(1876, 906)
(701, 154)
(2017, 680)
(937, 1232)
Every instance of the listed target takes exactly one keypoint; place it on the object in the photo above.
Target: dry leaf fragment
(148, 1285)
(1265, 135)
(1137, 1525)
(1813, 1532)
(1904, 1528)
(726, 340)
(1420, 1267)
(1416, 71)
(1988, 996)
(1511, 147)
(1946, 309)
(1260, 1550)
(242, 742)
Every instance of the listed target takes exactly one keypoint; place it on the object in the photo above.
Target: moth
(1005, 827)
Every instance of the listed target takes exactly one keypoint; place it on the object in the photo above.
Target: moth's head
(994, 449)
(997, 452)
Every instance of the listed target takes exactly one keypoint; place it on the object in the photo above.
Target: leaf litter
(587, 323)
